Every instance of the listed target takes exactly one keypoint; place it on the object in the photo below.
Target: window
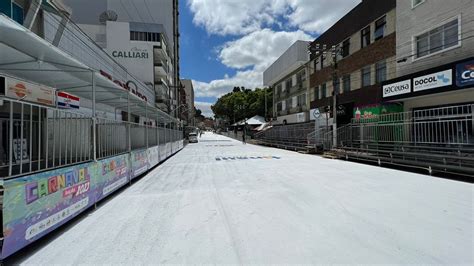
(279, 106)
(380, 71)
(316, 64)
(323, 90)
(380, 28)
(365, 76)
(288, 103)
(302, 100)
(346, 83)
(278, 89)
(315, 93)
(415, 3)
(303, 75)
(365, 37)
(289, 83)
(144, 36)
(346, 47)
(17, 14)
(438, 39)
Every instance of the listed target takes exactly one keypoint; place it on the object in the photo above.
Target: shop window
(381, 71)
(365, 37)
(17, 13)
(438, 39)
(380, 28)
(365, 76)
(346, 47)
(346, 83)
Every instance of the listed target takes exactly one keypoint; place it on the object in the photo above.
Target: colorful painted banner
(112, 174)
(139, 162)
(153, 156)
(373, 111)
(36, 205)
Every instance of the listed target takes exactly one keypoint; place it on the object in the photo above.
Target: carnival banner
(139, 162)
(112, 174)
(36, 205)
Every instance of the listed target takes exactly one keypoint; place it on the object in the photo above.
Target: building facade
(288, 78)
(364, 42)
(141, 35)
(435, 47)
(188, 101)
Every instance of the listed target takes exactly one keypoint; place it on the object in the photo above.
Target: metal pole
(94, 122)
(334, 102)
(128, 123)
(10, 145)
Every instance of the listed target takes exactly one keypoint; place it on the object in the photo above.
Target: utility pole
(317, 50)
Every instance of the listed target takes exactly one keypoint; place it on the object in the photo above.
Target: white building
(435, 55)
(141, 35)
(288, 78)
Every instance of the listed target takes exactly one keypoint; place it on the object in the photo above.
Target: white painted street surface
(205, 205)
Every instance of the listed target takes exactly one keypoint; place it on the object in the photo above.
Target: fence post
(94, 122)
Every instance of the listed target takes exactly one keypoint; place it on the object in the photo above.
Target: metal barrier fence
(287, 132)
(35, 138)
(438, 126)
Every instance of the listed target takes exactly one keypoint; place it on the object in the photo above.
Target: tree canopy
(243, 103)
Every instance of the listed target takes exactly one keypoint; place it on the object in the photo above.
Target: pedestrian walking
(243, 134)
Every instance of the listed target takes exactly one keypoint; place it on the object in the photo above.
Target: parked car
(193, 137)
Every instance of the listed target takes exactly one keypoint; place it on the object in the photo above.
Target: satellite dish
(108, 15)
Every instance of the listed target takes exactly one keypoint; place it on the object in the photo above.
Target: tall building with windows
(435, 55)
(188, 100)
(288, 78)
(365, 54)
(141, 35)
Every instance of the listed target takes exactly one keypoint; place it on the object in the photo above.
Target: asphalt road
(219, 201)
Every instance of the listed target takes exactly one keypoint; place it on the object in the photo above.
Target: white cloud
(256, 51)
(240, 17)
(205, 108)
(259, 48)
(249, 79)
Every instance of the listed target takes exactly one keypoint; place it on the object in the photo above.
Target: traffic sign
(316, 113)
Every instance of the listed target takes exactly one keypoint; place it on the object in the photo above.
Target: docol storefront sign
(432, 81)
(398, 88)
(465, 74)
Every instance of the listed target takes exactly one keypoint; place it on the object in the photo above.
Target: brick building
(365, 39)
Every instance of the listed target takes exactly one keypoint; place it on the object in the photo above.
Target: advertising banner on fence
(162, 151)
(153, 156)
(139, 162)
(35, 205)
(112, 174)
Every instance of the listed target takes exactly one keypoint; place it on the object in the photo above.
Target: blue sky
(227, 43)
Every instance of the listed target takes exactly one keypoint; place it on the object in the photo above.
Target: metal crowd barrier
(35, 138)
